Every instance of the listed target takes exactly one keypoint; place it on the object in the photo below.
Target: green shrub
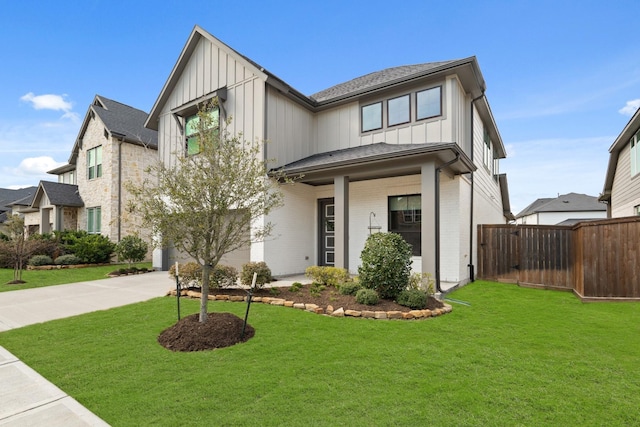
(37, 260)
(69, 259)
(190, 274)
(316, 289)
(264, 274)
(422, 281)
(131, 249)
(349, 288)
(386, 264)
(224, 276)
(413, 298)
(367, 296)
(295, 287)
(90, 248)
(4, 237)
(328, 276)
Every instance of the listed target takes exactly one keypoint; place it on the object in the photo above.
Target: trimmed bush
(328, 276)
(264, 274)
(190, 274)
(131, 249)
(224, 276)
(367, 296)
(90, 248)
(38, 260)
(413, 298)
(386, 264)
(349, 288)
(295, 287)
(69, 259)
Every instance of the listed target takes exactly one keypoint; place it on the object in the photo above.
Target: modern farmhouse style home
(412, 149)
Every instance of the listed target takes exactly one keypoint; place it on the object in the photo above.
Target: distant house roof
(120, 120)
(572, 202)
(9, 196)
(58, 194)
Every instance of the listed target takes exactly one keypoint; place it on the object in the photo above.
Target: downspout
(437, 218)
(471, 210)
(120, 189)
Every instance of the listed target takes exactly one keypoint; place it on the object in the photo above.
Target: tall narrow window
(94, 220)
(372, 117)
(487, 149)
(405, 218)
(429, 103)
(635, 153)
(192, 128)
(398, 110)
(94, 162)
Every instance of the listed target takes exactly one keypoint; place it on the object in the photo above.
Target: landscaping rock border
(330, 311)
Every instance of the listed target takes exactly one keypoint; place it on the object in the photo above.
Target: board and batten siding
(625, 191)
(211, 67)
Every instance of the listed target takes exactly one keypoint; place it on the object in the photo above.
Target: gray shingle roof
(62, 194)
(572, 202)
(126, 121)
(375, 79)
(364, 152)
(8, 196)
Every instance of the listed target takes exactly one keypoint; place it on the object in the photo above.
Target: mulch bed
(224, 329)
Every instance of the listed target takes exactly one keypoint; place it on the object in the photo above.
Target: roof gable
(621, 141)
(571, 202)
(9, 196)
(58, 194)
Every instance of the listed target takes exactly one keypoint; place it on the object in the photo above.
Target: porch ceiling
(376, 161)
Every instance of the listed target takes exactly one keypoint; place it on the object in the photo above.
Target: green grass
(516, 357)
(41, 278)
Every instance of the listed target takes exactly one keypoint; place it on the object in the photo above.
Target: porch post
(341, 200)
(428, 228)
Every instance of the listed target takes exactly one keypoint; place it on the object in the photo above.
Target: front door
(326, 232)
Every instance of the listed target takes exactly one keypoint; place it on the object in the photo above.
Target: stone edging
(313, 308)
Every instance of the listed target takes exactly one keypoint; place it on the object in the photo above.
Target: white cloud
(51, 102)
(34, 166)
(630, 108)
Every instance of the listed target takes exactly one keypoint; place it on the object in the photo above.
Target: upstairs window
(94, 220)
(398, 110)
(405, 218)
(486, 157)
(94, 162)
(372, 117)
(192, 125)
(635, 153)
(429, 103)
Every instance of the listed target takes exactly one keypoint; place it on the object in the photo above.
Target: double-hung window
(635, 154)
(94, 220)
(405, 218)
(94, 162)
(193, 128)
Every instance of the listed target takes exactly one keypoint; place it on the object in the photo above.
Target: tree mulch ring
(220, 330)
(16, 282)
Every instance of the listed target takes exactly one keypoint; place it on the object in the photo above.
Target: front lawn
(515, 356)
(41, 278)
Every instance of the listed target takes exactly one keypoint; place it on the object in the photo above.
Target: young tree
(18, 246)
(209, 202)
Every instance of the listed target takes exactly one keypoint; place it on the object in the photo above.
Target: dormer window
(192, 125)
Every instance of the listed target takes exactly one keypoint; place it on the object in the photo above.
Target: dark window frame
(417, 94)
(362, 108)
(408, 96)
(409, 216)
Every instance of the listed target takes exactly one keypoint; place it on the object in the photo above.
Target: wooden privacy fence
(595, 259)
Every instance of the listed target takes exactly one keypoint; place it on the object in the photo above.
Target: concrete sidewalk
(28, 399)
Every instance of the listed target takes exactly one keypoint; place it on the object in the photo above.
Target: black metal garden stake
(178, 290)
(246, 315)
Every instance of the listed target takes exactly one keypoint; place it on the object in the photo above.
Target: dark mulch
(220, 330)
(16, 282)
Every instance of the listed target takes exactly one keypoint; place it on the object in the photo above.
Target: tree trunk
(204, 299)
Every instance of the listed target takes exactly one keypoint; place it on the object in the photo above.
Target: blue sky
(563, 77)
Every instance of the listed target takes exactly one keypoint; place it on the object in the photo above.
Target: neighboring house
(9, 199)
(112, 147)
(411, 149)
(622, 183)
(567, 209)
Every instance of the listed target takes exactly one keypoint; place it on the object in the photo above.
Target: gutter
(437, 218)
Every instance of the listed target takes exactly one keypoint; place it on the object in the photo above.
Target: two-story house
(621, 189)
(411, 149)
(112, 147)
(566, 209)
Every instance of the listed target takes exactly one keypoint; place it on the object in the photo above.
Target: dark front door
(326, 232)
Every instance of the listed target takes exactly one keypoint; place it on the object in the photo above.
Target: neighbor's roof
(120, 120)
(59, 194)
(9, 196)
(572, 202)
